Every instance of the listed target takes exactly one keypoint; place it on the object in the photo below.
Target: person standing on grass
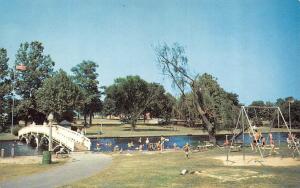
(186, 150)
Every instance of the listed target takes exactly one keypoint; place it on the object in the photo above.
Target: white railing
(65, 136)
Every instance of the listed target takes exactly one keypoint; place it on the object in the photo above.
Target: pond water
(107, 144)
(20, 148)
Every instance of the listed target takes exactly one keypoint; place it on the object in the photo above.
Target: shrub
(16, 130)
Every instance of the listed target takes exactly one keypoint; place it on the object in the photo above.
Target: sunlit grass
(11, 171)
(163, 170)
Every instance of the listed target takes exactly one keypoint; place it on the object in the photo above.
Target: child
(186, 149)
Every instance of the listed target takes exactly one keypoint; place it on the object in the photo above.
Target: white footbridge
(61, 136)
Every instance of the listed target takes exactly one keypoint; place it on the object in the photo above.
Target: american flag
(21, 67)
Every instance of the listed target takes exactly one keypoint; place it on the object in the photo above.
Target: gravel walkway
(81, 166)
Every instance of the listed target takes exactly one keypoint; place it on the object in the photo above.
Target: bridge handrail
(79, 138)
(45, 130)
(59, 133)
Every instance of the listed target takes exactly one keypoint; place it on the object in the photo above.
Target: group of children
(259, 140)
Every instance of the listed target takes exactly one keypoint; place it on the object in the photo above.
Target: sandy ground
(27, 160)
(257, 161)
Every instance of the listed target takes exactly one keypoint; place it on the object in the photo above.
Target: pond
(108, 144)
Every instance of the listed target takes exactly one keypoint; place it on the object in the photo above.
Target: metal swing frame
(244, 121)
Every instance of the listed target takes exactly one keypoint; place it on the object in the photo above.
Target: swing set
(246, 123)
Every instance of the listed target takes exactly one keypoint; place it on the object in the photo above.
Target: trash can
(46, 157)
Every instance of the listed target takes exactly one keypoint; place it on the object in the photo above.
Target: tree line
(39, 90)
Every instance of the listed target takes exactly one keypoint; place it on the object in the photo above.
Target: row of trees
(288, 106)
(40, 90)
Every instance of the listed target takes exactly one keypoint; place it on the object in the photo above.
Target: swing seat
(235, 148)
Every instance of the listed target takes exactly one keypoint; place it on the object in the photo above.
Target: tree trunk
(91, 118)
(209, 126)
(84, 117)
(133, 125)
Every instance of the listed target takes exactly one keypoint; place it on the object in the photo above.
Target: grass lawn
(113, 128)
(11, 171)
(7, 136)
(163, 170)
(141, 130)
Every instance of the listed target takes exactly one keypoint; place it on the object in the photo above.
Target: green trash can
(46, 157)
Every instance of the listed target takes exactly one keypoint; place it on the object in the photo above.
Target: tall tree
(294, 105)
(59, 95)
(174, 63)
(131, 96)
(85, 75)
(162, 104)
(5, 87)
(38, 68)
(219, 104)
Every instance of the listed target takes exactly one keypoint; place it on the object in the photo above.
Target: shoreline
(200, 133)
(195, 134)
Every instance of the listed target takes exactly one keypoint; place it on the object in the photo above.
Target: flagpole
(13, 102)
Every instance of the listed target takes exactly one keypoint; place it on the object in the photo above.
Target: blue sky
(251, 46)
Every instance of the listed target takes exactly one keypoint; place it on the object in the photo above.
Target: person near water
(141, 145)
(162, 141)
(226, 143)
(263, 141)
(98, 146)
(175, 146)
(147, 143)
(158, 146)
(272, 144)
(186, 149)
(255, 140)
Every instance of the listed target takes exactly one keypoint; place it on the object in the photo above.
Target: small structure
(65, 124)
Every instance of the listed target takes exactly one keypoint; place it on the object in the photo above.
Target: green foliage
(162, 103)
(217, 103)
(5, 81)
(85, 76)
(38, 68)
(58, 94)
(294, 109)
(261, 114)
(3, 122)
(5, 89)
(15, 130)
(133, 96)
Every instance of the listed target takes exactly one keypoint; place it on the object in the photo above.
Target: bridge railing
(61, 134)
(77, 137)
(60, 138)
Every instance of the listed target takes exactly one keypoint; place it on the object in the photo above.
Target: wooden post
(2, 153)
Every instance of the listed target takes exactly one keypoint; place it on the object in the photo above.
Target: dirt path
(81, 166)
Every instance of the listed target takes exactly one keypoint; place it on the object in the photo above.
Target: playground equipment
(245, 123)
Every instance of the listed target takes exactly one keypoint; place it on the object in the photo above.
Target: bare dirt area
(232, 175)
(257, 161)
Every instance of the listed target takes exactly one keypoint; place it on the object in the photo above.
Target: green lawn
(11, 171)
(141, 130)
(113, 128)
(163, 170)
(7, 136)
